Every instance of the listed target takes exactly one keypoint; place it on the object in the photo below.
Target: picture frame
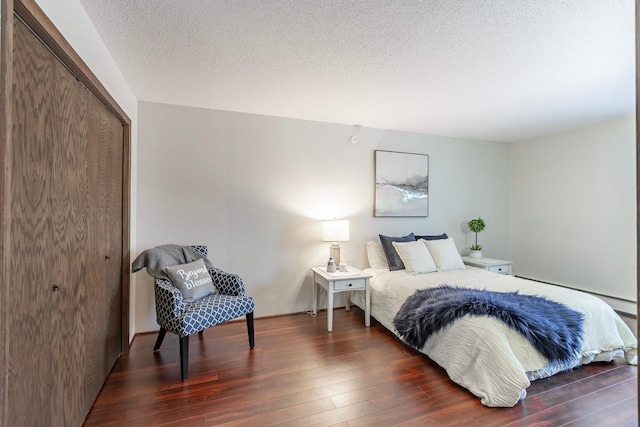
(401, 184)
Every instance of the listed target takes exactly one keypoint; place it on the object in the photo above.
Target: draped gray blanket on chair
(552, 328)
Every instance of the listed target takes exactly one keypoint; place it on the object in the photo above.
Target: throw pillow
(393, 259)
(376, 256)
(444, 254)
(416, 257)
(192, 279)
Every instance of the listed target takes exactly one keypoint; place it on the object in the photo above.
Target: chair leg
(160, 338)
(249, 317)
(184, 357)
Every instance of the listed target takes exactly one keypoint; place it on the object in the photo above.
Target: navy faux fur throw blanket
(552, 328)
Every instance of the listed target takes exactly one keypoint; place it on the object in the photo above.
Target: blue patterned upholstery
(182, 318)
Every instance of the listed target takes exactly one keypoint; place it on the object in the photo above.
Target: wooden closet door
(40, 290)
(69, 216)
(64, 333)
(104, 184)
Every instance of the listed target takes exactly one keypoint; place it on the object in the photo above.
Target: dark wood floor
(300, 375)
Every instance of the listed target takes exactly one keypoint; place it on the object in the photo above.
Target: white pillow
(415, 256)
(444, 254)
(375, 253)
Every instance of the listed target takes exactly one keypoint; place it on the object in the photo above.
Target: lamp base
(334, 252)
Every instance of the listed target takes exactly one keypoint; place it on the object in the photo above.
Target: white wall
(255, 188)
(573, 205)
(71, 20)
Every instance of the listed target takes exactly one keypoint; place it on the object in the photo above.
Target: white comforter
(484, 355)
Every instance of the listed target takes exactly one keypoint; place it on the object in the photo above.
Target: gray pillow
(393, 259)
(192, 279)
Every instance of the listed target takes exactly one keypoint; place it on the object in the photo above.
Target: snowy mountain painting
(402, 184)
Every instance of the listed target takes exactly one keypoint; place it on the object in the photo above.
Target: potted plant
(476, 225)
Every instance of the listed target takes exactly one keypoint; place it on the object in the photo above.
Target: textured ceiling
(502, 70)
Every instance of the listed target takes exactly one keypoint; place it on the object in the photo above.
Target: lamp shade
(336, 230)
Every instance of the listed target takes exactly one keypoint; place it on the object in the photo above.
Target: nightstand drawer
(349, 285)
(502, 269)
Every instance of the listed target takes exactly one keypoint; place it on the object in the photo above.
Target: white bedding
(484, 355)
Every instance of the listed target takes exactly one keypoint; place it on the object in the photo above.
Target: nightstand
(352, 280)
(490, 264)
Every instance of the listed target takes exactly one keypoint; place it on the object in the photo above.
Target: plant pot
(475, 254)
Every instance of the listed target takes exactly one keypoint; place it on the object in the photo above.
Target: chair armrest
(227, 283)
(169, 301)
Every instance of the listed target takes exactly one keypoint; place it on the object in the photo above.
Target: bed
(481, 353)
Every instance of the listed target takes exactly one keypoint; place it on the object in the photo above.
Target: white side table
(496, 265)
(352, 280)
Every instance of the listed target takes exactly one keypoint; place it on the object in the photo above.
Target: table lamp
(334, 231)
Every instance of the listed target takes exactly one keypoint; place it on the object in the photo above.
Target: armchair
(183, 318)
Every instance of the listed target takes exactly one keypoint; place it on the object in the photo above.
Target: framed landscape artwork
(402, 184)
